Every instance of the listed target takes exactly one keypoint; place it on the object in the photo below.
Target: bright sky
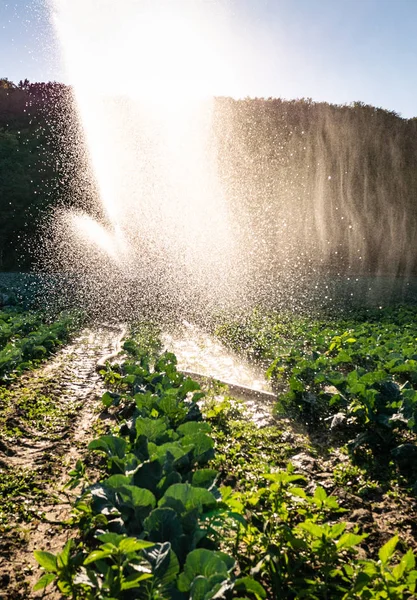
(331, 50)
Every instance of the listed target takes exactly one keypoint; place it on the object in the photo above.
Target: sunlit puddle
(199, 353)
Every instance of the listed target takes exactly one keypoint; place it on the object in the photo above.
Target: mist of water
(144, 77)
(201, 203)
(199, 352)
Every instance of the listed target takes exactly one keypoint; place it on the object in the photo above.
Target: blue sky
(332, 50)
(27, 44)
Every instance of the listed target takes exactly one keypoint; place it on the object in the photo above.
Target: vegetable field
(357, 376)
(27, 338)
(170, 491)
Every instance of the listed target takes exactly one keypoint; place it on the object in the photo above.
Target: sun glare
(176, 51)
(143, 79)
(180, 61)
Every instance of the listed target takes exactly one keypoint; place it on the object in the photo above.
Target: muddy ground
(47, 419)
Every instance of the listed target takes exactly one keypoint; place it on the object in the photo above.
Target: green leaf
(129, 544)
(337, 529)
(216, 586)
(115, 482)
(165, 565)
(154, 429)
(248, 584)
(388, 550)
(204, 478)
(297, 491)
(336, 378)
(349, 540)
(283, 477)
(296, 385)
(190, 497)
(343, 357)
(189, 385)
(107, 400)
(203, 446)
(320, 494)
(363, 579)
(98, 555)
(109, 444)
(44, 581)
(141, 501)
(200, 588)
(228, 560)
(411, 580)
(46, 560)
(399, 570)
(163, 525)
(174, 409)
(173, 451)
(313, 529)
(148, 475)
(201, 562)
(134, 581)
(166, 482)
(193, 427)
(111, 538)
(409, 559)
(63, 557)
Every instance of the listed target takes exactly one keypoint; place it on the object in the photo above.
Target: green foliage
(27, 338)
(144, 523)
(117, 565)
(293, 541)
(59, 568)
(20, 489)
(362, 371)
(157, 526)
(206, 574)
(386, 578)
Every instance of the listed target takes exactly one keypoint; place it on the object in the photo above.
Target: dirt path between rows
(44, 453)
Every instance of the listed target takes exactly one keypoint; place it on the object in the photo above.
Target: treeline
(321, 185)
(42, 164)
(313, 185)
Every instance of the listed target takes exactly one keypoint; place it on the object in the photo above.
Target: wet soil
(206, 360)
(199, 352)
(38, 450)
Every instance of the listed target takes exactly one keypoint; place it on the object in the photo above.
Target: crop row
(157, 524)
(358, 373)
(26, 338)
(147, 530)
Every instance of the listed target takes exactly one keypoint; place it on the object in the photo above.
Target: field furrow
(46, 422)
